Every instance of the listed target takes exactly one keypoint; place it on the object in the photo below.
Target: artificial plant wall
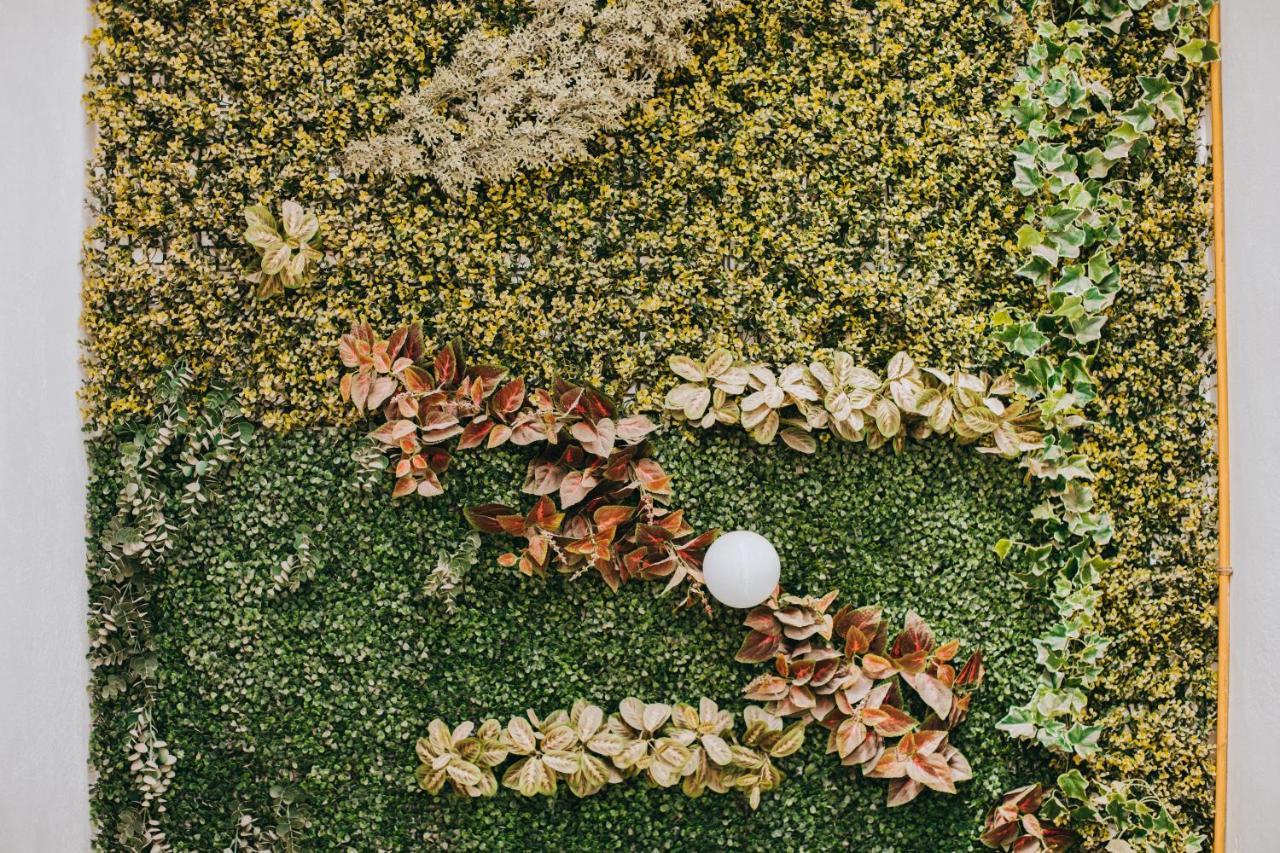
(273, 630)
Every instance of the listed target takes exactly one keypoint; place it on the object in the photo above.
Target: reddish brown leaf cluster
(1013, 825)
(842, 671)
(612, 494)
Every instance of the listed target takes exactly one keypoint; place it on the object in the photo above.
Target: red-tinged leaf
(695, 549)
(758, 648)
(609, 573)
(946, 651)
(610, 516)
(360, 386)
(848, 736)
(651, 535)
(823, 603)
(509, 397)
(404, 486)
(855, 642)
(903, 791)
(544, 515)
(606, 435)
(406, 406)
(766, 688)
(527, 566)
(403, 466)
(959, 710)
(380, 391)
(437, 459)
(507, 560)
(344, 387)
(429, 486)
(916, 636)
(877, 667)
(526, 433)
(475, 433)
(932, 771)
(485, 379)
(440, 434)
(673, 523)
(484, 517)
(396, 341)
(634, 428)
(538, 548)
(1058, 839)
(888, 766)
(658, 566)
(543, 477)
(413, 342)
(499, 435)
(934, 693)
(761, 619)
(392, 433)
(912, 662)
(584, 432)
(888, 721)
(575, 486)
(347, 351)
(448, 363)
(652, 477)
(677, 577)
(972, 672)
(382, 357)
(415, 379)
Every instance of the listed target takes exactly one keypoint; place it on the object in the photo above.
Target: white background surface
(44, 712)
(1251, 77)
(43, 707)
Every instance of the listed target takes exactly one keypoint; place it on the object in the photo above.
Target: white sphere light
(741, 569)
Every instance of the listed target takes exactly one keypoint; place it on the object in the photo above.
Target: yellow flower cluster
(823, 173)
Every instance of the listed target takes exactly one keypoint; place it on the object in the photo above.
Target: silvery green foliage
(166, 471)
(536, 96)
(448, 577)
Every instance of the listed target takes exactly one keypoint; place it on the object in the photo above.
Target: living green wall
(820, 174)
(326, 687)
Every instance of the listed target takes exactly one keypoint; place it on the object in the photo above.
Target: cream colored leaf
(687, 368)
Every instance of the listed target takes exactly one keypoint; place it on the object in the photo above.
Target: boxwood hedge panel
(326, 688)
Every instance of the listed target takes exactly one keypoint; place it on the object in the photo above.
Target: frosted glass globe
(741, 569)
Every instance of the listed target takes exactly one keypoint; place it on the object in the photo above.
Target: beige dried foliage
(535, 96)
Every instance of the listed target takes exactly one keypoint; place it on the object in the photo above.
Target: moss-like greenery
(328, 687)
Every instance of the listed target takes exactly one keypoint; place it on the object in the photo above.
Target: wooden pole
(1224, 455)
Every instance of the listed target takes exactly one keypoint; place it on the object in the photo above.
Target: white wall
(1251, 77)
(44, 713)
(43, 707)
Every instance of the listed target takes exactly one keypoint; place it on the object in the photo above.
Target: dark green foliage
(328, 687)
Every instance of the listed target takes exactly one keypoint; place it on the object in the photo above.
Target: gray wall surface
(43, 708)
(44, 713)
(1251, 101)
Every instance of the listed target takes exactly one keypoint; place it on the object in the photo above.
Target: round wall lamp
(741, 569)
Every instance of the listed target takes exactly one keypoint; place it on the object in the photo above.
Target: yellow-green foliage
(820, 174)
(815, 176)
